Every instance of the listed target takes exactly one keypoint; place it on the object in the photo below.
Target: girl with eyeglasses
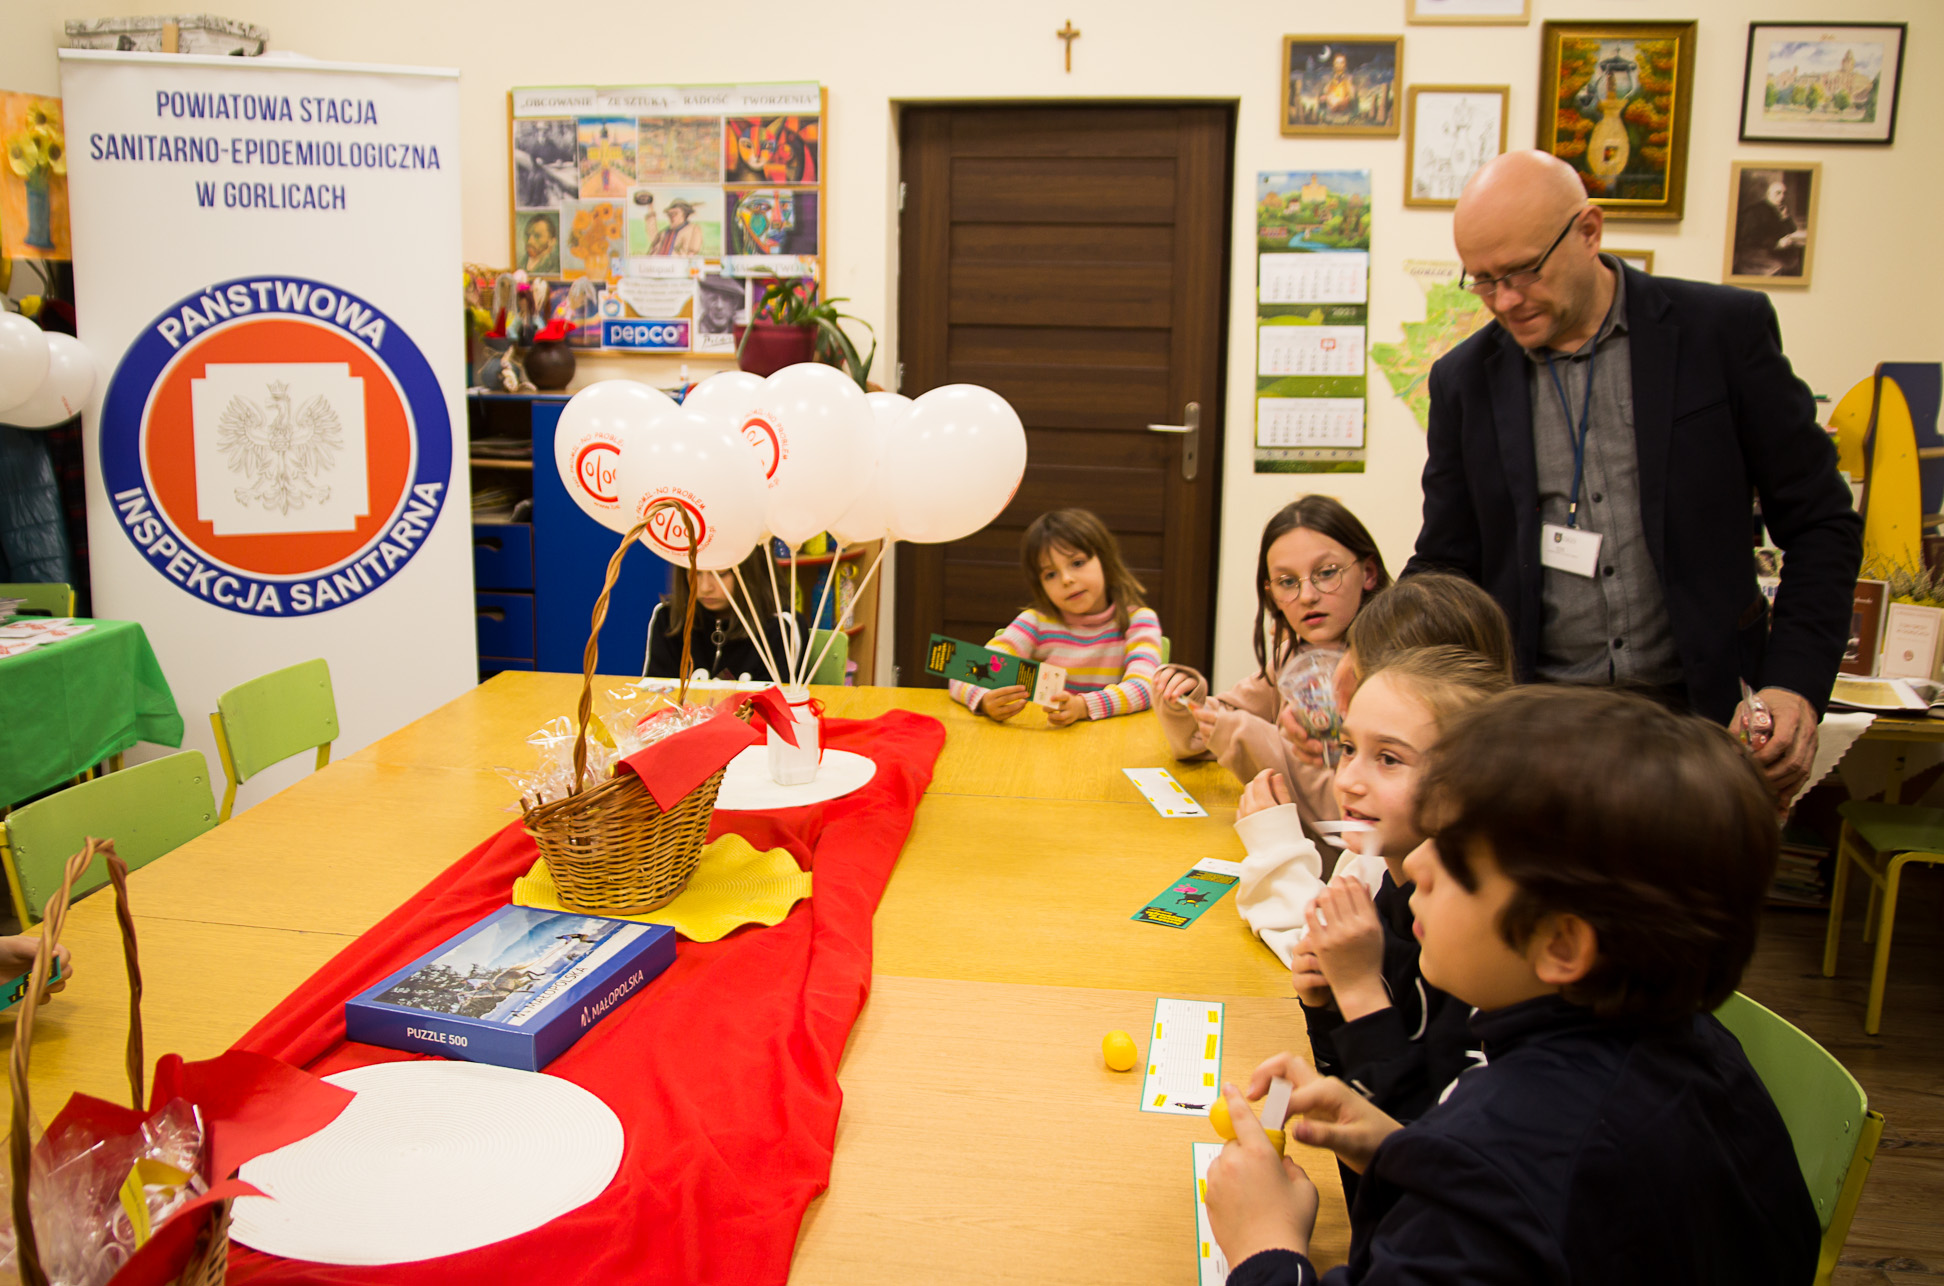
(1316, 569)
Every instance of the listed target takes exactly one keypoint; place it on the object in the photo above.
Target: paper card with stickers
(1184, 1067)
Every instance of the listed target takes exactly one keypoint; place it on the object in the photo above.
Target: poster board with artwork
(655, 212)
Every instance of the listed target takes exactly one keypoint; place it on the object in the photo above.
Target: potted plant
(790, 325)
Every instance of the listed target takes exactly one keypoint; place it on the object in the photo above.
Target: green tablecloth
(68, 705)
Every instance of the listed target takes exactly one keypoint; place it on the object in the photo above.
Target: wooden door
(1071, 259)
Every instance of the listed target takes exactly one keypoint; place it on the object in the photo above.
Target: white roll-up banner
(267, 268)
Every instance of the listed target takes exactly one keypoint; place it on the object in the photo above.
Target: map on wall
(1451, 315)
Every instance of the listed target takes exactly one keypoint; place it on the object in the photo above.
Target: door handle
(1190, 430)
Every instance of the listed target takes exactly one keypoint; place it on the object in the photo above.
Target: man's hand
(1347, 939)
(1268, 790)
(1791, 746)
(1068, 707)
(1001, 704)
(1257, 1200)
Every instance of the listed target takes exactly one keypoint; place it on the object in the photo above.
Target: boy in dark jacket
(1592, 884)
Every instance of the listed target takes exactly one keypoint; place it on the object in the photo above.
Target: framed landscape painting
(1805, 83)
(1615, 100)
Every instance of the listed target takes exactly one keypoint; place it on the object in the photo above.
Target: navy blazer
(1719, 419)
(1583, 1154)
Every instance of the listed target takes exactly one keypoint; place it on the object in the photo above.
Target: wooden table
(981, 1138)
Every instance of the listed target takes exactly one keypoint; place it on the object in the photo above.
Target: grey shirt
(1612, 627)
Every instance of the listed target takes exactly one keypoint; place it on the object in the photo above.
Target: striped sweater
(1114, 672)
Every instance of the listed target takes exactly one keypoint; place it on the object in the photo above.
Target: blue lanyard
(1579, 442)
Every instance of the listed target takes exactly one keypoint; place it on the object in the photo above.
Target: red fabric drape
(723, 1070)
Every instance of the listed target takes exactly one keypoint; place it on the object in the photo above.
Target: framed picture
(1822, 84)
(1614, 103)
(1642, 260)
(1503, 13)
(1341, 85)
(1449, 132)
(1771, 223)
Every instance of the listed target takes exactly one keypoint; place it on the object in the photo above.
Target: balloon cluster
(45, 377)
(799, 453)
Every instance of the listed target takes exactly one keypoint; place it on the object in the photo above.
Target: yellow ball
(1218, 1116)
(1119, 1051)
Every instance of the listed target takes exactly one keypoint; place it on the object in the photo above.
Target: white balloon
(727, 395)
(61, 396)
(953, 465)
(703, 463)
(596, 426)
(868, 517)
(23, 359)
(813, 434)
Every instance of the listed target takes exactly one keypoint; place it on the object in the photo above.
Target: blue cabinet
(537, 581)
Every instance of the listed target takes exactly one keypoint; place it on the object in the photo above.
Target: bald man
(1593, 458)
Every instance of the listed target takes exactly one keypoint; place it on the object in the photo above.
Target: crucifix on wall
(1069, 33)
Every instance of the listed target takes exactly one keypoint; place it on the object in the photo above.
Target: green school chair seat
(832, 670)
(1828, 1115)
(148, 810)
(49, 598)
(1895, 835)
(1167, 649)
(271, 718)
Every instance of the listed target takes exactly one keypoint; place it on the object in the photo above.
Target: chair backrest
(53, 598)
(283, 713)
(832, 670)
(147, 810)
(1821, 1103)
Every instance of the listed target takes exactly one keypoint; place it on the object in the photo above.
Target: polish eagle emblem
(280, 449)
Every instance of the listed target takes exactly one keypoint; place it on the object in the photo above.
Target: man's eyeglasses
(1324, 579)
(1520, 279)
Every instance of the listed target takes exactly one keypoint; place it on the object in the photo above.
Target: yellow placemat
(733, 885)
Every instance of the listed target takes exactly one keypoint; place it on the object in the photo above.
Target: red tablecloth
(723, 1071)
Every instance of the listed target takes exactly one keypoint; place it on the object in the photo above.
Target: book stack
(1802, 871)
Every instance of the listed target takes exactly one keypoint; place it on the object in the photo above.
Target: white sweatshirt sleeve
(1281, 876)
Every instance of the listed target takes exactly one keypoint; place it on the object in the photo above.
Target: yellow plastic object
(1218, 1116)
(1893, 498)
(1118, 1049)
(733, 885)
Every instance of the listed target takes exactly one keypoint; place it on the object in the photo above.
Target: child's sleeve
(1281, 877)
(1135, 691)
(1021, 638)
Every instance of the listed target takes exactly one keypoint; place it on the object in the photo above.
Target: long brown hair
(1083, 533)
(1326, 516)
(755, 574)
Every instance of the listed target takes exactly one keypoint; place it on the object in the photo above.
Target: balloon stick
(861, 586)
(776, 596)
(756, 636)
(823, 600)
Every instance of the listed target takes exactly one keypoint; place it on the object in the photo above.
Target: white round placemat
(748, 786)
(431, 1158)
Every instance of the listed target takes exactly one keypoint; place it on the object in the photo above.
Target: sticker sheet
(1184, 1067)
(1158, 787)
(1209, 1263)
(1181, 903)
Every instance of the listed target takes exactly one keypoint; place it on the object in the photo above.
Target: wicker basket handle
(593, 650)
(19, 1146)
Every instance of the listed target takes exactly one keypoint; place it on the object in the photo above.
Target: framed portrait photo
(1344, 85)
(1641, 260)
(1506, 13)
(1615, 99)
(1807, 83)
(1450, 131)
(1771, 223)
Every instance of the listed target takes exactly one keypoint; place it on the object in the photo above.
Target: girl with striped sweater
(1087, 618)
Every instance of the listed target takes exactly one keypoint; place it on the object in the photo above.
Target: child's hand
(1068, 707)
(1177, 689)
(1257, 1200)
(1001, 704)
(1326, 1113)
(1306, 973)
(17, 957)
(1268, 790)
(1347, 939)
(1302, 743)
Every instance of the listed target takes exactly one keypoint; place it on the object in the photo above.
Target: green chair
(147, 810)
(1895, 835)
(1167, 649)
(1827, 1113)
(269, 719)
(832, 670)
(49, 598)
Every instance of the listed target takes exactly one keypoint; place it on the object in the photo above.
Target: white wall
(1878, 274)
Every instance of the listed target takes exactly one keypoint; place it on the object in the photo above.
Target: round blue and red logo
(276, 446)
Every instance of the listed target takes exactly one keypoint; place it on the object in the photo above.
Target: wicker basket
(611, 848)
(209, 1258)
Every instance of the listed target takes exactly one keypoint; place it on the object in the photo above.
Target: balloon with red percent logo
(704, 464)
(596, 427)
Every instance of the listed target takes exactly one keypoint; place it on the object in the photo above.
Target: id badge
(1568, 549)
